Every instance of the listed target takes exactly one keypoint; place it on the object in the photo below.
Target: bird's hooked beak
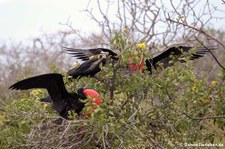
(80, 93)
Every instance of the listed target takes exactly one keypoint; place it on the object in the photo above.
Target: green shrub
(166, 109)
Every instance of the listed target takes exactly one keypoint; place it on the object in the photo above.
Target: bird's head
(80, 93)
(93, 97)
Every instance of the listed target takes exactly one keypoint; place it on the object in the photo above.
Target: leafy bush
(166, 109)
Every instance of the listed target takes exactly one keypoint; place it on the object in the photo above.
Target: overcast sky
(21, 19)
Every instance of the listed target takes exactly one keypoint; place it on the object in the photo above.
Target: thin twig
(113, 80)
(204, 118)
(217, 61)
(199, 30)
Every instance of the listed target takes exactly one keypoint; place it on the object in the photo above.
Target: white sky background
(23, 19)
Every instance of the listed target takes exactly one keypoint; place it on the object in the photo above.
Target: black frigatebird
(176, 51)
(91, 66)
(92, 58)
(61, 100)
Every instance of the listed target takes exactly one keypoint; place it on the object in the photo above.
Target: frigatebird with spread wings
(174, 53)
(92, 58)
(61, 100)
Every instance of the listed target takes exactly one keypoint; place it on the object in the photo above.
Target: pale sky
(22, 19)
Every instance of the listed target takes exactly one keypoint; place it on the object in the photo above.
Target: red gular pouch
(93, 101)
(138, 66)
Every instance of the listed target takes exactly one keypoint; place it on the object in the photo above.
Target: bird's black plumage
(88, 68)
(62, 101)
(86, 54)
(176, 51)
(91, 65)
(92, 57)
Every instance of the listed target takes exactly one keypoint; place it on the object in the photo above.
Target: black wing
(177, 51)
(88, 68)
(52, 82)
(88, 53)
(111, 53)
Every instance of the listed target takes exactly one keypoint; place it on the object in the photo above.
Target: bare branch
(199, 30)
(217, 61)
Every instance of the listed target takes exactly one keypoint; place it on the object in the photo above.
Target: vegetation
(173, 106)
(165, 109)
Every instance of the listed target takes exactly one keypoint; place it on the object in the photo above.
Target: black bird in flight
(61, 100)
(91, 65)
(174, 53)
(93, 59)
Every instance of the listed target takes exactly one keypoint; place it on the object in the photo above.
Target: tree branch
(217, 61)
(199, 30)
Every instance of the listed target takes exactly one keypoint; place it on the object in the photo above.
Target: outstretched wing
(201, 51)
(89, 53)
(111, 53)
(165, 57)
(81, 53)
(88, 68)
(53, 82)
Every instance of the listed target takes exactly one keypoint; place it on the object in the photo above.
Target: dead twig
(197, 29)
(217, 61)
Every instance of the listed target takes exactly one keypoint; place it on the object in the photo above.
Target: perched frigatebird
(93, 59)
(91, 66)
(61, 100)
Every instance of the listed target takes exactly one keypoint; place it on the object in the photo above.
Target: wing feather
(177, 51)
(52, 82)
(88, 68)
(86, 54)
